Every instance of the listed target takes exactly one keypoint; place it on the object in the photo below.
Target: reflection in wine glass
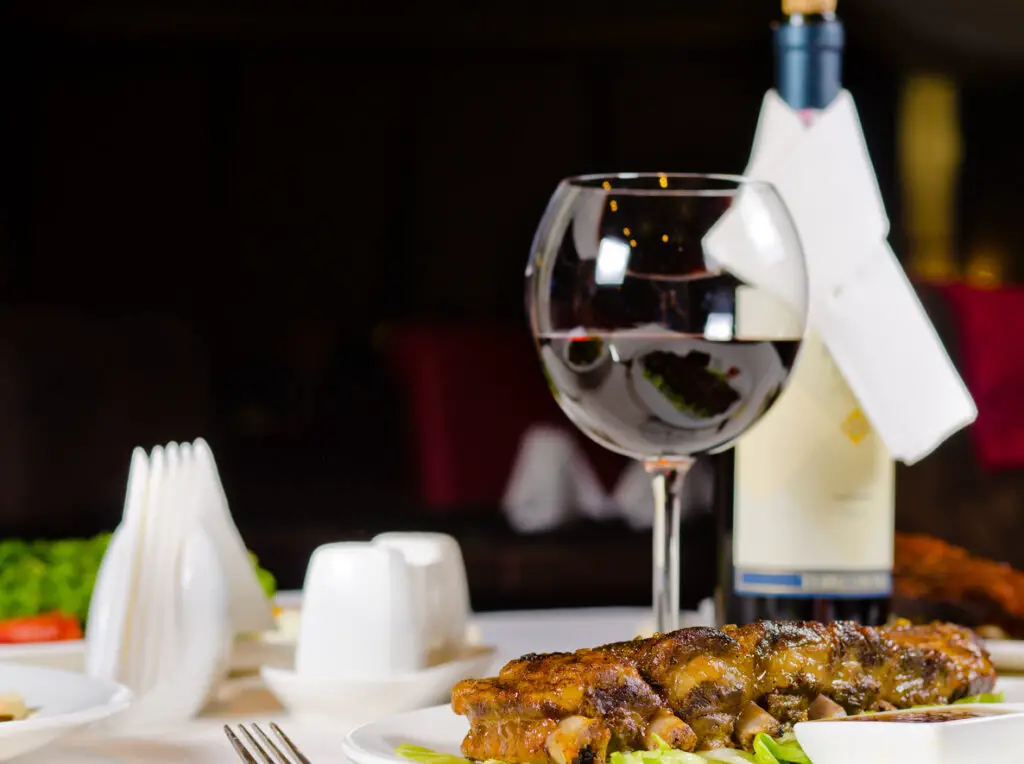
(667, 311)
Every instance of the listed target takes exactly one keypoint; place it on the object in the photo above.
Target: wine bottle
(806, 499)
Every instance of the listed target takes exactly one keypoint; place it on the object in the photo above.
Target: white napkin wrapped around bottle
(174, 588)
(860, 302)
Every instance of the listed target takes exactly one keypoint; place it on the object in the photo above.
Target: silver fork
(260, 749)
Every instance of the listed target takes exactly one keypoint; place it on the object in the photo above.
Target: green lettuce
(45, 576)
(784, 750)
(423, 755)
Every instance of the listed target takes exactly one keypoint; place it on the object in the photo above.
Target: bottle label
(831, 584)
(814, 492)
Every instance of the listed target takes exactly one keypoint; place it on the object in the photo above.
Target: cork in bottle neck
(808, 7)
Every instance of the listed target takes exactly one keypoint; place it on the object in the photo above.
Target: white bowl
(360, 700)
(885, 739)
(1007, 654)
(1012, 688)
(65, 701)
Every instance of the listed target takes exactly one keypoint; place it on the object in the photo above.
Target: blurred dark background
(271, 223)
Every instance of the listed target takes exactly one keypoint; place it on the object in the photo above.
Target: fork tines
(258, 748)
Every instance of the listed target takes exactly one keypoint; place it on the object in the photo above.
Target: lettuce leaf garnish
(784, 750)
(665, 755)
(423, 755)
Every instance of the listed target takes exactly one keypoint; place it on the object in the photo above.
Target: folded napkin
(632, 499)
(250, 611)
(859, 301)
(173, 589)
(987, 322)
(553, 483)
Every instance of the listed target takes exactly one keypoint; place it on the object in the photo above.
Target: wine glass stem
(668, 494)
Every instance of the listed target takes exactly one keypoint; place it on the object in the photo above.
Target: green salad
(767, 750)
(45, 576)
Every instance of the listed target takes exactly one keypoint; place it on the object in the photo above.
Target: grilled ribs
(934, 579)
(701, 688)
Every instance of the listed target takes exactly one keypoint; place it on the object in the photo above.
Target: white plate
(358, 701)
(66, 701)
(1012, 688)
(275, 648)
(67, 656)
(437, 728)
(725, 356)
(986, 738)
(1007, 654)
(440, 729)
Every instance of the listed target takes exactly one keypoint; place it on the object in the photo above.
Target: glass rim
(731, 184)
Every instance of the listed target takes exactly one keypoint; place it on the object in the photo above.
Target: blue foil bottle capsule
(809, 60)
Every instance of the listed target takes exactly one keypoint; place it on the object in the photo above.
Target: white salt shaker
(439, 577)
(360, 617)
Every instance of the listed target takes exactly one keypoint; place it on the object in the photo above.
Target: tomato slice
(48, 627)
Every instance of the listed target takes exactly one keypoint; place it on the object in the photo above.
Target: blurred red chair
(472, 391)
(990, 328)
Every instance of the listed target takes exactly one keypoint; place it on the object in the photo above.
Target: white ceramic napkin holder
(174, 588)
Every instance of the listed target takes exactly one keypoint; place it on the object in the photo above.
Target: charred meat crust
(702, 687)
(586, 757)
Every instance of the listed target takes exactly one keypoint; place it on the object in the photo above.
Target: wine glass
(667, 311)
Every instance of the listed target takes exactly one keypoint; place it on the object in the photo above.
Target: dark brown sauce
(924, 716)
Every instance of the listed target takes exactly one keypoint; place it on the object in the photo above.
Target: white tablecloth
(202, 741)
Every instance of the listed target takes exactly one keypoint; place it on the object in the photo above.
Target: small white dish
(360, 700)
(274, 648)
(437, 728)
(968, 733)
(1006, 654)
(1012, 688)
(66, 701)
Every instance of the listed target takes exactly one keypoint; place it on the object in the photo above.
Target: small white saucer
(66, 702)
(1006, 654)
(898, 737)
(360, 700)
(1012, 689)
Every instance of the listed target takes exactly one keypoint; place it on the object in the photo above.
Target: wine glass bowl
(668, 310)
